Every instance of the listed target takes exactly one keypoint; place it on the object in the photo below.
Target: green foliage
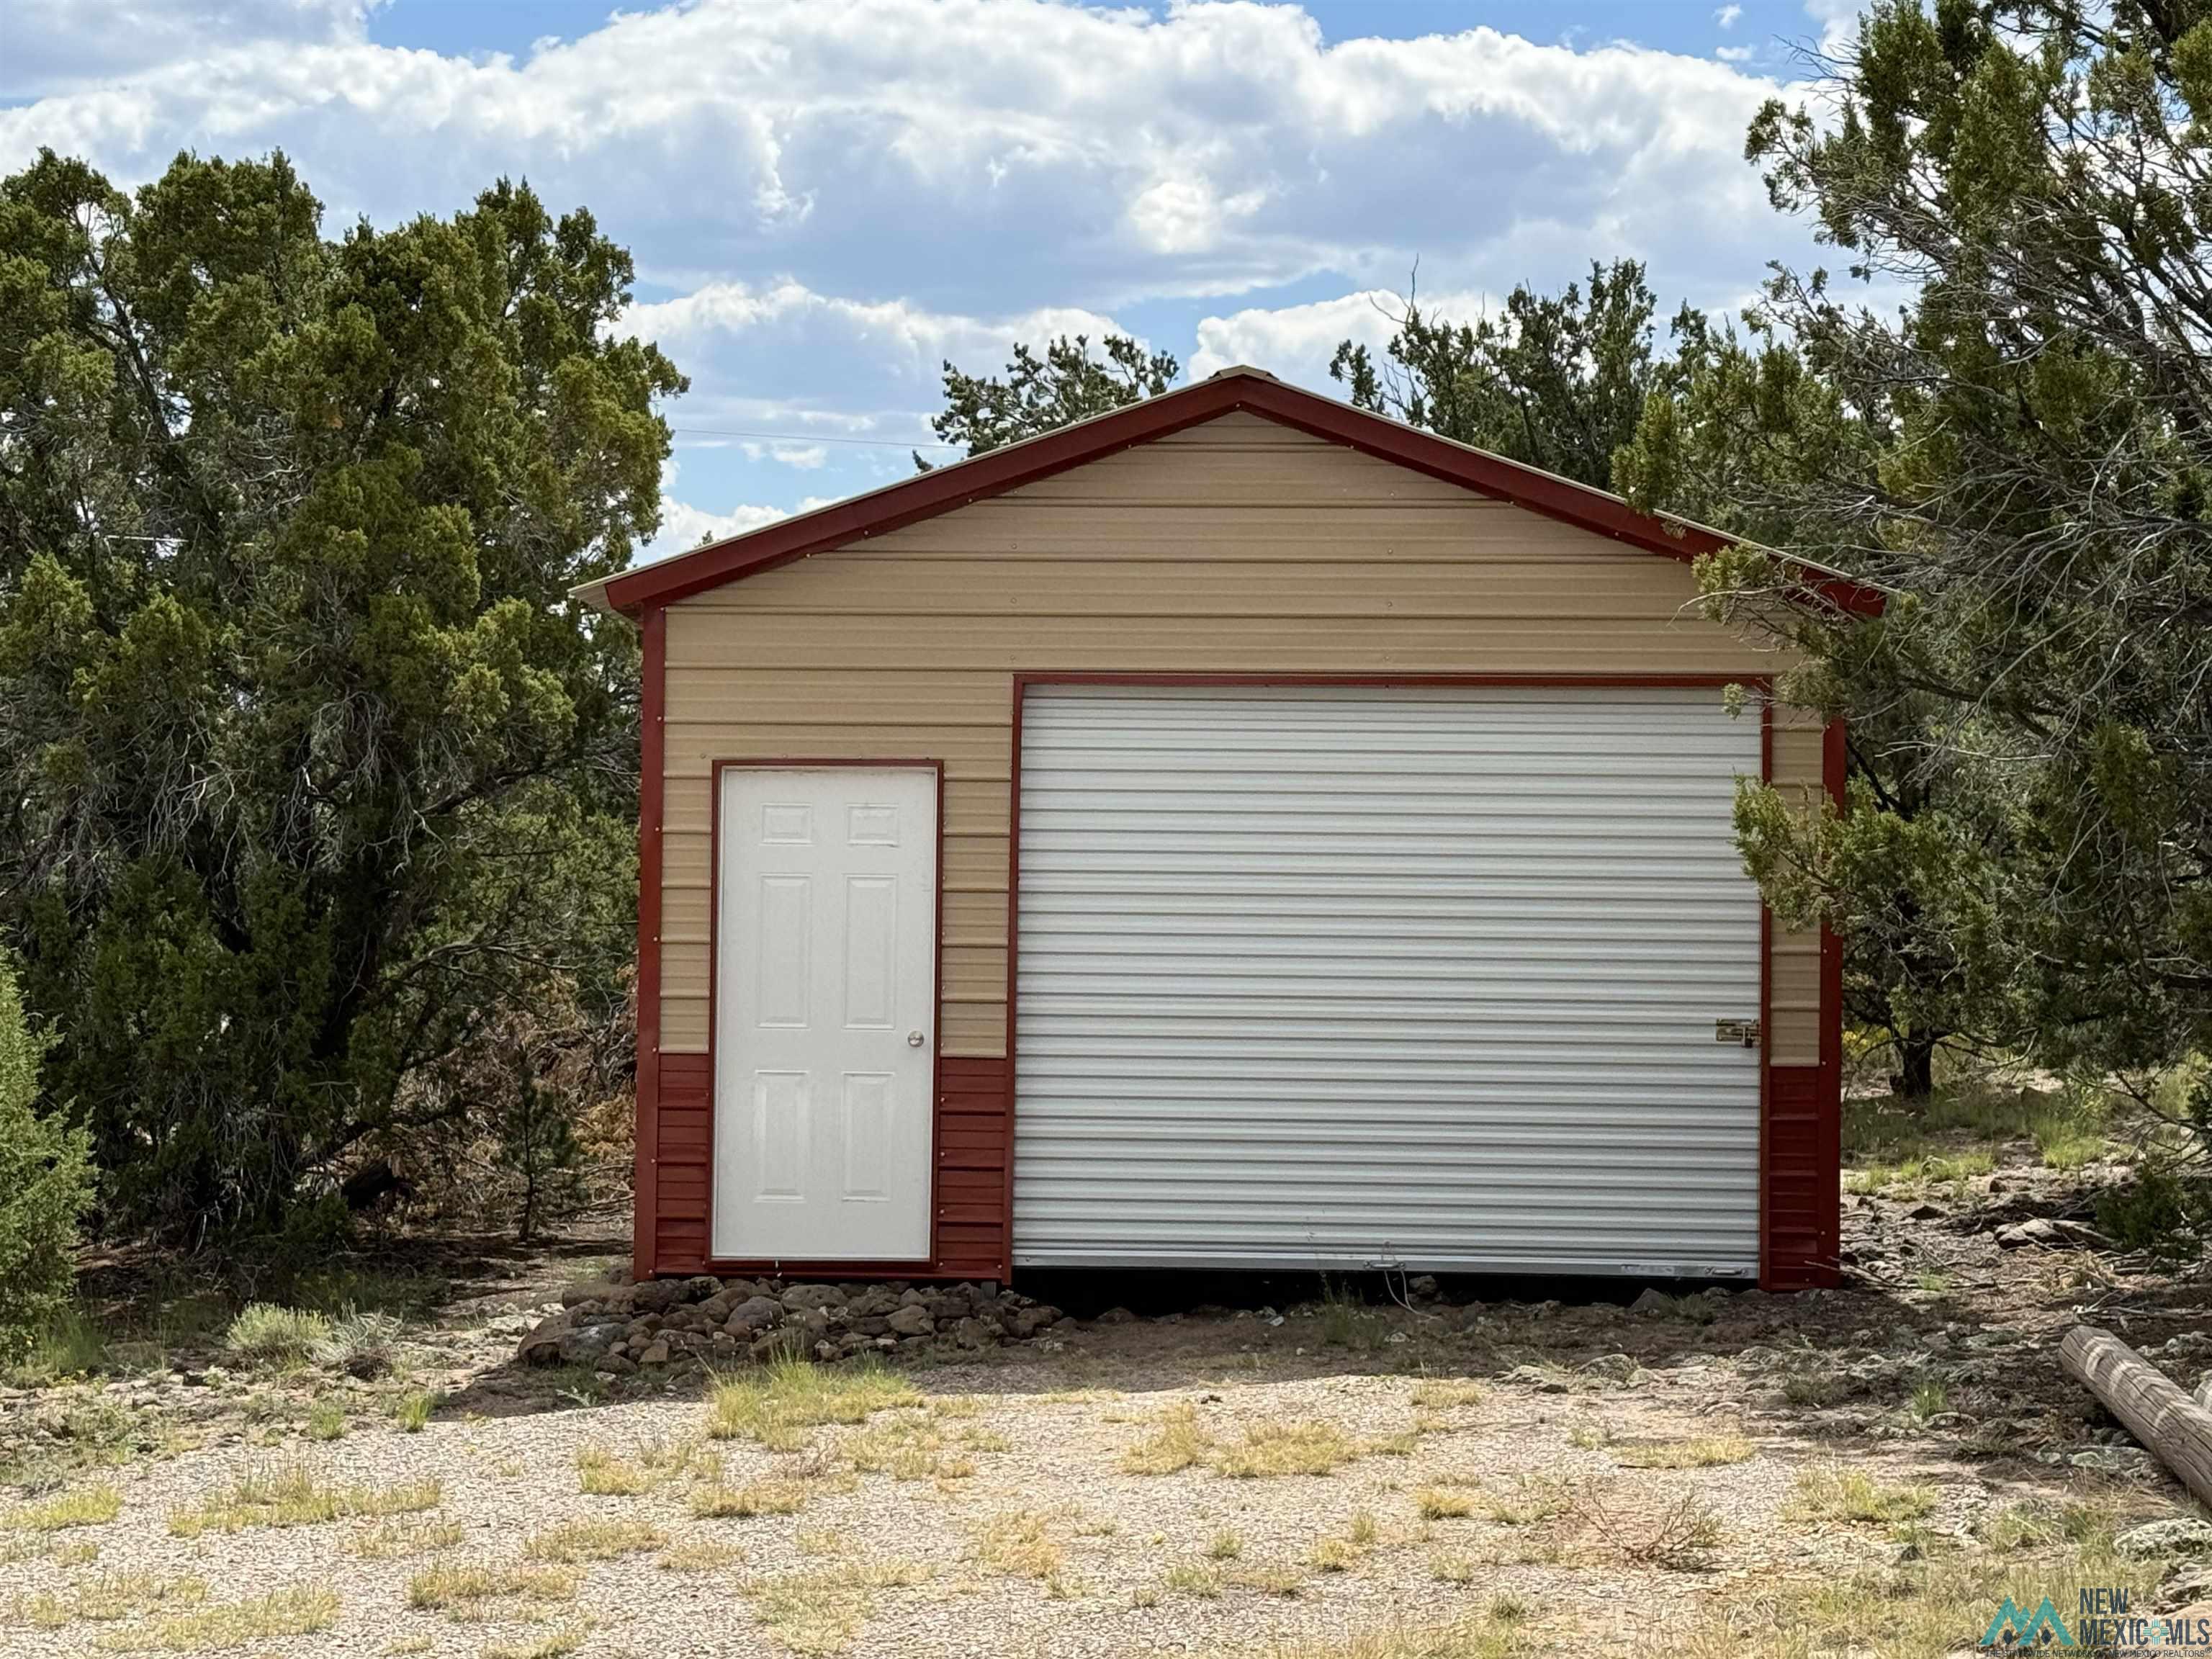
(1557, 380)
(309, 765)
(2158, 1212)
(2019, 454)
(1039, 394)
(45, 1185)
(267, 1334)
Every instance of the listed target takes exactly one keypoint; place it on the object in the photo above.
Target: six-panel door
(825, 1015)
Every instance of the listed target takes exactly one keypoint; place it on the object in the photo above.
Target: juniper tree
(307, 764)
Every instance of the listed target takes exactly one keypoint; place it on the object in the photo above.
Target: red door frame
(920, 1267)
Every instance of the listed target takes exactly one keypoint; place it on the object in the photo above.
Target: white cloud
(1727, 15)
(683, 526)
(51, 45)
(1838, 20)
(1296, 341)
(1734, 54)
(790, 373)
(1094, 154)
(827, 201)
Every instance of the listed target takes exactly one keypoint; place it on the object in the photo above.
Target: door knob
(915, 1039)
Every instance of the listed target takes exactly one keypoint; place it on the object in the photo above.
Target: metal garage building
(1236, 831)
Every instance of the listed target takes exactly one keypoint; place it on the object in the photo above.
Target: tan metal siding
(1239, 545)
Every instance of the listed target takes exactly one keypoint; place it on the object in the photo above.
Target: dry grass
(713, 1500)
(909, 1447)
(1441, 1504)
(1447, 1393)
(702, 1557)
(1198, 1578)
(300, 1611)
(555, 1644)
(1347, 1550)
(1835, 1493)
(594, 1540)
(1493, 1638)
(1936, 1606)
(292, 1496)
(1682, 1537)
(108, 1597)
(461, 1587)
(400, 1540)
(1018, 1546)
(605, 1473)
(1534, 1499)
(1703, 1452)
(1449, 1567)
(781, 1404)
(815, 1613)
(83, 1506)
(1273, 1449)
(1176, 1441)
(1269, 1579)
(1224, 1546)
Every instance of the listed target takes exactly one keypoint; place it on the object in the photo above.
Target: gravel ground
(1122, 1534)
(1936, 1367)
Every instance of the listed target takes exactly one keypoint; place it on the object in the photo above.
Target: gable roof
(956, 484)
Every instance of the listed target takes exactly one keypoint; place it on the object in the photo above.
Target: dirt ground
(1870, 1470)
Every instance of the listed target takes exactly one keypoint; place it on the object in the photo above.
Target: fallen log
(2173, 1428)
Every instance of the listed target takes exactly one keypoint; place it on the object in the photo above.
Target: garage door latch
(1742, 1031)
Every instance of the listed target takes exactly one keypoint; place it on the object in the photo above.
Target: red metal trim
(645, 1185)
(1013, 952)
(928, 494)
(1657, 682)
(924, 1265)
(1834, 754)
(1765, 1031)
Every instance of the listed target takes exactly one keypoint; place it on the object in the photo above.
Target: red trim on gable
(652, 688)
(928, 494)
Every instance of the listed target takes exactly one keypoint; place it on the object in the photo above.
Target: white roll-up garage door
(1329, 977)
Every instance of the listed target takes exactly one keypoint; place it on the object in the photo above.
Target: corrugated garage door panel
(1332, 976)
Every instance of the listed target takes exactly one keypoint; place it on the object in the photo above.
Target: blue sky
(826, 198)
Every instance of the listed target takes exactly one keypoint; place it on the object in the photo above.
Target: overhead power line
(810, 437)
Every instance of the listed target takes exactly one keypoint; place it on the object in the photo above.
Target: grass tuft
(299, 1611)
(462, 1586)
(592, 1540)
(1704, 1452)
(112, 1595)
(83, 1506)
(1833, 1493)
(817, 1612)
(604, 1473)
(1445, 1393)
(699, 1558)
(1273, 1449)
(265, 1333)
(778, 1405)
(292, 1496)
(1017, 1545)
(713, 1500)
(554, 1644)
(398, 1540)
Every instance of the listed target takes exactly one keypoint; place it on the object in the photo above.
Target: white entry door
(826, 1013)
